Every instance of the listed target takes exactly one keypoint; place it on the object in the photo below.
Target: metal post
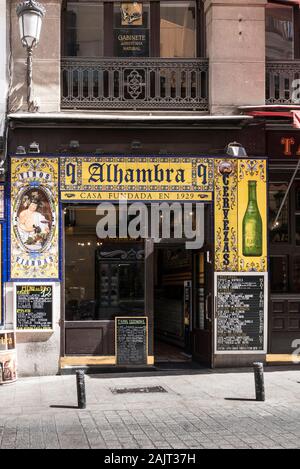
(31, 103)
(80, 389)
(259, 381)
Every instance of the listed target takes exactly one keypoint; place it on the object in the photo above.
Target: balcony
(135, 84)
(280, 76)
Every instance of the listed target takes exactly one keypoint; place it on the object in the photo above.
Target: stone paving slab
(209, 409)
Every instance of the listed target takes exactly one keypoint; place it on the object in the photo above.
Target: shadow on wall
(16, 98)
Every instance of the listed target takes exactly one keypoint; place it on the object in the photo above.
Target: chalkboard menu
(34, 307)
(131, 340)
(240, 312)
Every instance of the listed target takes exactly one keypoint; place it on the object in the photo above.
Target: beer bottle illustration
(252, 225)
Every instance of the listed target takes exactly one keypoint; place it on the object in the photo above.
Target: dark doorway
(172, 268)
(182, 330)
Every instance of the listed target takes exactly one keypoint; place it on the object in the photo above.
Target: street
(186, 410)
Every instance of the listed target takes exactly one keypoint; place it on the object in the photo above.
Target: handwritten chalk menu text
(131, 341)
(34, 307)
(240, 312)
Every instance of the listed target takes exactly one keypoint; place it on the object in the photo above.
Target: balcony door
(167, 29)
(137, 55)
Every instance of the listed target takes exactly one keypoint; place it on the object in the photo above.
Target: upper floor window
(279, 31)
(84, 29)
(168, 29)
(178, 29)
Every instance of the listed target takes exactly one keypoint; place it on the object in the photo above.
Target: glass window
(297, 230)
(177, 29)
(296, 274)
(278, 274)
(279, 32)
(279, 231)
(84, 27)
(284, 237)
(104, 278)
(119, 283)
(131, 29)
(297, 195)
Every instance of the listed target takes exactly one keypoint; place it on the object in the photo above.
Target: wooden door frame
(149, 292)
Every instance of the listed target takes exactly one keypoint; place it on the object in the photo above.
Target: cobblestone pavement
(201, 409)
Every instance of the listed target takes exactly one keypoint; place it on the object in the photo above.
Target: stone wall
(235, 32)
(46, 62)
(3, 64)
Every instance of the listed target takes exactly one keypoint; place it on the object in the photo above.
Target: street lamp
(30, 16)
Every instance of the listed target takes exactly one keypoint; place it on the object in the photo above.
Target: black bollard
(259, 381)
(80, 389)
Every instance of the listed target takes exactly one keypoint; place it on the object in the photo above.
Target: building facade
(137, 102)
(3, 71)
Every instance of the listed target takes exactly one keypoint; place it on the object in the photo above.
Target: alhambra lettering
(113, 173)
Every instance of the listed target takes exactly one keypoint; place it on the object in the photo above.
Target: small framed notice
(34, 306)
(131, 340)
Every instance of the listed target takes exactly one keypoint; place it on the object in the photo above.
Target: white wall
(3, 64)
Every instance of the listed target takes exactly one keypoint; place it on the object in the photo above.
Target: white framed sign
(241, 303)
(33, 306)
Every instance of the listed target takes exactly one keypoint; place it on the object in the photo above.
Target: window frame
(154, 49)
(296, 25)
(290, 250)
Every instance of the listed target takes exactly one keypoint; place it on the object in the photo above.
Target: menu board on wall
(240, 312)
(131, 340)
(34, 307)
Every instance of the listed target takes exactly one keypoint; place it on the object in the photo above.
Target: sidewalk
(200, 409)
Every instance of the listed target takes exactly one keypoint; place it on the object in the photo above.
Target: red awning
(294, 115)
(270, 114)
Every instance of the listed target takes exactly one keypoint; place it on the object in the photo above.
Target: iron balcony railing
(281, 85)
(119, 83)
